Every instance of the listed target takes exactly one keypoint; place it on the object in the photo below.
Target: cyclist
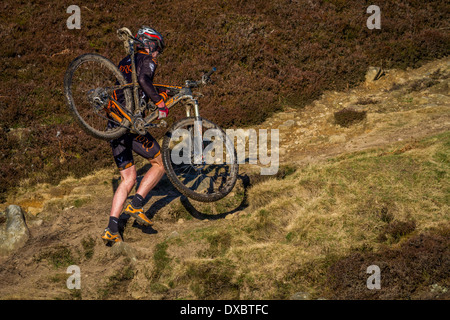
(144, 145)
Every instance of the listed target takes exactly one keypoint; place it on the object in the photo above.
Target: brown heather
(269, 56)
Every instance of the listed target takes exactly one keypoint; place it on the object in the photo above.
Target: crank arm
(161, 124)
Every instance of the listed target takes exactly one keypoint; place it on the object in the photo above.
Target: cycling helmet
(151, 38)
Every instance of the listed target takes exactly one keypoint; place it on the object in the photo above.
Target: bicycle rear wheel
(210, 176)
(89, 83)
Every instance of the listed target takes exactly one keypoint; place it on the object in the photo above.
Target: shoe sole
(112, 241)
(139, 219)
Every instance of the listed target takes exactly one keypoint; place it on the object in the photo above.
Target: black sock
(113, 224)
(138, 201)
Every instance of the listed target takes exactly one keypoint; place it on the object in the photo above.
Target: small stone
(286, 125)
(435, 288)
(34, 211)
(36, 223)
(287, 115)
(301, 296)
(337, 138)
(289, 123)
(173, 234)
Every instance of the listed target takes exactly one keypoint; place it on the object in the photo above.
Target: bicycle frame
(184, 95)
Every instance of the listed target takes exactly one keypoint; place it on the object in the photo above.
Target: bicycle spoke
(204, 178)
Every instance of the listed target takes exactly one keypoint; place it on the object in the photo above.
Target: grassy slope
(314, 230)
(370, 203)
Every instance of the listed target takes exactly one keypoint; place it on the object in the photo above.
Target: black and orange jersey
(145, 70)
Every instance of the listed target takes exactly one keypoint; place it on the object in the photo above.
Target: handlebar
(124, 34)
(205, 79)
(211, 72)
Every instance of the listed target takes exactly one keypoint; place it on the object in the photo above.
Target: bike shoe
(109, 236)
(138, 214)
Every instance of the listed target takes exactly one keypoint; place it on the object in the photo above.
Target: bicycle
(91, 84)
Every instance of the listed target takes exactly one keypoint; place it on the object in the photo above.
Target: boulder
(14, 232)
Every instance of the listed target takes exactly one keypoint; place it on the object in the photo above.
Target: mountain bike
(91, 84)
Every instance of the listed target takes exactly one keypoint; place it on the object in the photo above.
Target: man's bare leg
(152, 177)
(149, 181)
(123, 190)
(111, 233)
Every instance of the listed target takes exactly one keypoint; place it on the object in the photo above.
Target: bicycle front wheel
(89, 83)
(208, 175)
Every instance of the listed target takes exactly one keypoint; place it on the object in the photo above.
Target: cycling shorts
(144, 145)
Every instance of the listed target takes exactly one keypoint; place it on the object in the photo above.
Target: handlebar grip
(211, 72)
(125, 34)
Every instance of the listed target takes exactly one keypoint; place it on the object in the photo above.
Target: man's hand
(163, 111)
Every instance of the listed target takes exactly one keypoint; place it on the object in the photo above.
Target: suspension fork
(198, 132)
(193, 105)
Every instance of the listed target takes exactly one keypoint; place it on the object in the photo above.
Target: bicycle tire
(104, 134)
(173, 176)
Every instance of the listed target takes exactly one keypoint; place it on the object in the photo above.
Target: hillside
(270, 57)
(364, 180)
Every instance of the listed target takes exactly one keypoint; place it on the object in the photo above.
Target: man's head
(152, 40)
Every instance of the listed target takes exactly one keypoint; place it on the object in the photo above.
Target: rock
(174, 234)
(289, 123)
(436, 288)
(337, 138)
(122, 248)
(373, 74)
(14, 232)
(287, 115)
(36, 223)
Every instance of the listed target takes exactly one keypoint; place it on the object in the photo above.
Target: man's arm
(145, 80)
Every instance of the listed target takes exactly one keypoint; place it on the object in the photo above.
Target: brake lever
(206, 80)
(198, 94)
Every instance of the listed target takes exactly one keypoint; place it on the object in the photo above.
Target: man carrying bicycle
(144, 145)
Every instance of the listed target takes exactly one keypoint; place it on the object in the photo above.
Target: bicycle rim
(210, 176)
(90, 81)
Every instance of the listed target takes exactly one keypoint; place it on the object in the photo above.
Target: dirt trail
(400, 106)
